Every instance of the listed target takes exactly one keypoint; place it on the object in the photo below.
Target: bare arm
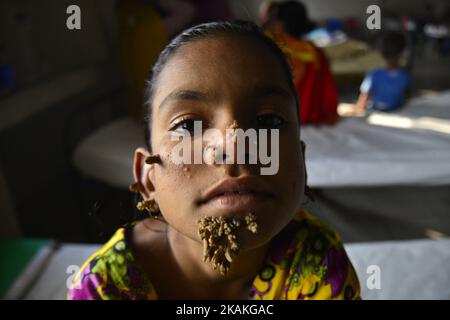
(362, 102)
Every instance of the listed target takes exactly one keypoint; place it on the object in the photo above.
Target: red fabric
(316, 90)
(317, 94)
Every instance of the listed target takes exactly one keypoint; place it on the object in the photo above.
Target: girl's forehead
(221, 61)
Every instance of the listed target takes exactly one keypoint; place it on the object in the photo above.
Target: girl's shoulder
(111, 273)
(307, 261)
(305, 230)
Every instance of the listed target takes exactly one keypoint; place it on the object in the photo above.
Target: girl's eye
(185, 125)
(270, 121)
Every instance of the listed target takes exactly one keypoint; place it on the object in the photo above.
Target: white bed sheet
(107, 155)
(414, 269)
(417, 269)
(351, 153)
(53, 282)
(356, 153)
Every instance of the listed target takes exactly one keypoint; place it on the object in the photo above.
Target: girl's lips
(234, 203)
(237, 194)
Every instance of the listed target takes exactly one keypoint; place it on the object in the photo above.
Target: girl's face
(220, 81)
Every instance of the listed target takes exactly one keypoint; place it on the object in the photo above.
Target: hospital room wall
(323, 9)
(34, 38)
(35, 41)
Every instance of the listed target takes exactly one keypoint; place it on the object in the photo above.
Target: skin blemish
(186, 171)
(210, 154)
(231, 135)
(213, 143)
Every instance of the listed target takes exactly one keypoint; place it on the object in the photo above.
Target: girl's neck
(187, 254)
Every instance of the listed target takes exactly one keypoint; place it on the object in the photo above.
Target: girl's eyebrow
(189, 95)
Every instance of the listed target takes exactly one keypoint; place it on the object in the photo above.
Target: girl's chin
(249, 241)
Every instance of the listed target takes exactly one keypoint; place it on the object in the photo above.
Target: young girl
(222, 230)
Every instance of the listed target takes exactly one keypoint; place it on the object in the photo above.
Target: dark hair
(294, 16)
(202, 31)
(392, 44)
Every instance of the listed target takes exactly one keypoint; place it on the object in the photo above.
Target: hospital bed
(351, 60)
(384, 176)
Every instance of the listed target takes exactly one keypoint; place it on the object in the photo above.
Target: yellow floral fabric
(306, 261)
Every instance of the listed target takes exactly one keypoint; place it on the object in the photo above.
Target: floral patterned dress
(306, 260)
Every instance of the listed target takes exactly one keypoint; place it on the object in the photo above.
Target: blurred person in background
(287, 23)
(385, 89)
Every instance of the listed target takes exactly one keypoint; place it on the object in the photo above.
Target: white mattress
(32, 100)
(52, 284)
(415, 269)
(107, 154)
(356, 152)
(351, 153)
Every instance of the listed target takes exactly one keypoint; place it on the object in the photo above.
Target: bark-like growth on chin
(219, 239)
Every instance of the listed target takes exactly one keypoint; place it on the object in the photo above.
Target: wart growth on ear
(233, 125)
(134, 187)
(220, 245)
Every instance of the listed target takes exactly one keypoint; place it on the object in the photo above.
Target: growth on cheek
(186, 172)
(219, 239)
(153, 159)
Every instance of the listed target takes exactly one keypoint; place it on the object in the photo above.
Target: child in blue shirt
(385, 89)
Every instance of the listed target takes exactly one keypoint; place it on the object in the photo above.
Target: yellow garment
(306, 260)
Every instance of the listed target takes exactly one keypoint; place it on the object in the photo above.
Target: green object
(14, 258)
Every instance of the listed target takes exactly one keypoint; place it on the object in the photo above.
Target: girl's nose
(234, 149)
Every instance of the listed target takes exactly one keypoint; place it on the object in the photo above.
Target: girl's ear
(144, 174)
(303, 148)
(308, 192)
(304, 162)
